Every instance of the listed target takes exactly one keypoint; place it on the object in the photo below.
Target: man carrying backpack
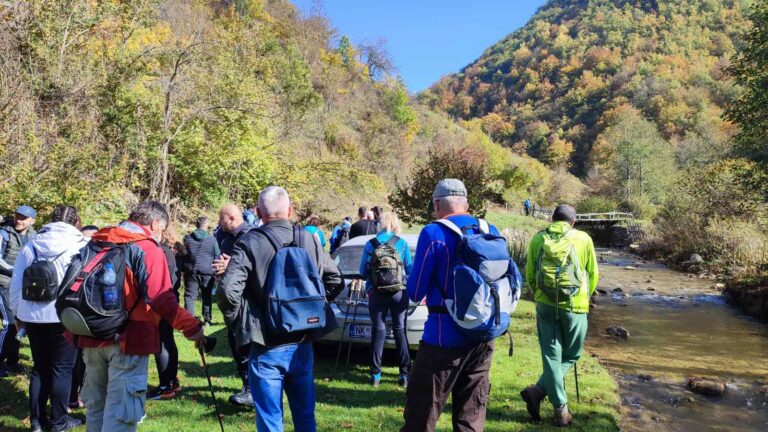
(124, 275)
(274, 297)
(562, 273)
(202, 249)
(340, 233)
(456, 351)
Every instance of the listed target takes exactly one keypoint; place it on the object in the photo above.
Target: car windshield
(348, 259)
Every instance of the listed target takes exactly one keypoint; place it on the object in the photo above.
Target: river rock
(695, 259)
(630, 268)
(634, 247)
(617, 332)
(719, 286)
(706, 386)
(618, 290)
(602, 291)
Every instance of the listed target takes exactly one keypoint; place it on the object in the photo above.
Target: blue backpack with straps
(294, 290)
(486, 282)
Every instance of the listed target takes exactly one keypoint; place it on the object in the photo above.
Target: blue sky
(428, 38)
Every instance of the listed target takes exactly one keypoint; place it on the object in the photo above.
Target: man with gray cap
(562, 273)
(13, 236)
(448, 361)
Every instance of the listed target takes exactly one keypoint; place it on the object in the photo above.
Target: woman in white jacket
(53, 356)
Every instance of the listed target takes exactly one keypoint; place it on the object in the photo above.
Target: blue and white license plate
(359, 331)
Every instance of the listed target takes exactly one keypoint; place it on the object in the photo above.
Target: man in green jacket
(562, 273)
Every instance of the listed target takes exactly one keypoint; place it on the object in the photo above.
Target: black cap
(564, 213)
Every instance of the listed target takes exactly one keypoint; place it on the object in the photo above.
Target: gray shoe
(533, 395)
(563, 417)
(243, 399)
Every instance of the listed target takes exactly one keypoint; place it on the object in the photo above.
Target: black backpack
(40, 282)
(80, 304)
(340, 239)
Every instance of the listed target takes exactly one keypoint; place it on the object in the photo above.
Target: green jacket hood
(559, 227)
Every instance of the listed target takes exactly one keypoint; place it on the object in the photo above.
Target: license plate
(358, 331)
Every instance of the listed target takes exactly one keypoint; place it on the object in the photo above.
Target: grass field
(345, 401)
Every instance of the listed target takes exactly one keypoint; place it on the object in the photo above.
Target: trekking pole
(210, 386)
(343, 327)
(354, 318)
(576, 377)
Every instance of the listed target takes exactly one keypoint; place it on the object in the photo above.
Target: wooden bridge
(609, 227)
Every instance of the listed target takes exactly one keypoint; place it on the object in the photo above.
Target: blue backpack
(486, 282)
(295, 293)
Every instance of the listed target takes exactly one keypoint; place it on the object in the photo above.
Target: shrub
(735, 245)
(597, 204)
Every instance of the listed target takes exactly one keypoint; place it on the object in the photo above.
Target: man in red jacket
(116, 371)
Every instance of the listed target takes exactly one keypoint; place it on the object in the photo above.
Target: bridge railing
(543, 213)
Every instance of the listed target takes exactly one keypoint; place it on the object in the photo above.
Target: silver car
(351, 306)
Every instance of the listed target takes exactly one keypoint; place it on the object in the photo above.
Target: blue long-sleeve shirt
(401, 247)
(432, 275)
(316, 231)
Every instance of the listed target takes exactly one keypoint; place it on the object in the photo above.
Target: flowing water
(680, 327)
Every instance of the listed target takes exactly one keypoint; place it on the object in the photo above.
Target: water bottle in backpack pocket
(91, 300)
(486, 283)
(295, 293)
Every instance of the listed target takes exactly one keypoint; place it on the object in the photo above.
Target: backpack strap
(271, 238)
(451, 226)
(393, 241)
(376, 243)
(485, 228)
(298, 238)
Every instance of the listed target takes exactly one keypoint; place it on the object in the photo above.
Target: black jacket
(202, 249)
(363, 227)
(241, 290)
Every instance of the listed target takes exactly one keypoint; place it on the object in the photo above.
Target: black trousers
(167, 360)
(197, 284)
(78, 375)
(10, 350)
(438, 372)
(240, 356)
(53, 358)
(381, 304)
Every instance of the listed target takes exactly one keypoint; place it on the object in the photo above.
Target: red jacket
(146, 268)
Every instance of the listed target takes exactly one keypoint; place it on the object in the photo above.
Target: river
(679, 326)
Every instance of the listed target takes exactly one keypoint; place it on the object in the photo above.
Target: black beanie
(564, 213)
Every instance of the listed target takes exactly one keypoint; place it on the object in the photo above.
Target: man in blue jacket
(448, 362)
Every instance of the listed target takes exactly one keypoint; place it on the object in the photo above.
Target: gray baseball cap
(449, 187)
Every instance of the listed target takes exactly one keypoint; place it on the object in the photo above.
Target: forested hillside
(196, 103)
(600, 86)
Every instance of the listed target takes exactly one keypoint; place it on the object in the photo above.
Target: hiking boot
(163, 392)
(403, 381)
(243, 399)
(533, 395)
(375, 380)
(69, 425)
(563, 417)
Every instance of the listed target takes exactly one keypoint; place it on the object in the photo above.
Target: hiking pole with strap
(354, 318)
(202, 351)
(343, 327)
(576, 377)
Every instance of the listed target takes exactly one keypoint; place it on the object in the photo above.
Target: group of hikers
(103, 300)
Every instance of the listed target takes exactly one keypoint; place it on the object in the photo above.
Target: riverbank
(750, 295)
(678, 327)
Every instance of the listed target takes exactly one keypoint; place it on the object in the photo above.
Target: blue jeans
(289, 368)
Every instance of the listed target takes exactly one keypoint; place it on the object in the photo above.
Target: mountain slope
(549, 88)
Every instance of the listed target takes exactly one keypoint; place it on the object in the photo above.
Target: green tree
(412, 200)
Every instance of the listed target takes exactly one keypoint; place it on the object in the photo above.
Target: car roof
(412, 239)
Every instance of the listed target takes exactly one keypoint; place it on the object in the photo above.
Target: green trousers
(561, 341)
